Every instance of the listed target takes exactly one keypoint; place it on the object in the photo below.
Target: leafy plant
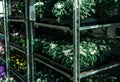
(65, 8)
(92, 52)
(39, 8)
(18, 9)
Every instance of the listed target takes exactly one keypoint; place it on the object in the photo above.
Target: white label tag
(32, 13)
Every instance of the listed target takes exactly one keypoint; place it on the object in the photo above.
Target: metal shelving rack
(32, 57)
(8, 44)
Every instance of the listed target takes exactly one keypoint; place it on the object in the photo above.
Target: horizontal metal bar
(99, 69)
(54, 68)
(17, 74)
(2, 59)
(53, 26)
(99, 26)
(16, 20)
(53, 63)
(14, 46)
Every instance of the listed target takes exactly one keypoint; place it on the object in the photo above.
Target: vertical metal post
(28, 42)
(5, 4)
(32, 2)
(76, 37)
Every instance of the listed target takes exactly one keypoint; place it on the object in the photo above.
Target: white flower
(84, 42)
(81, 47)
(59, 5)
(71, 58)
(92, 51)
(6, 80)
(96, 48)
(102, 47)
(11, 79)
(52, 45)
(38, 3)
(67, 52)
(0, 79)
(15, 34)
(38, 80)
(82, 53)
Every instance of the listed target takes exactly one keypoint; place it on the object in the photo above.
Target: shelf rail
(16, 47)
(53, 63)
(64, 28)
(99, 26)
(3, 59)
(54, 68)
(17, 74)
(16, 20)
(99, 69)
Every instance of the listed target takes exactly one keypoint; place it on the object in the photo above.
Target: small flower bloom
(82, 53)
(11, 79)
(59, 5)
(52, 45)
(1, 48)
(0, 79)
(21, 36)
(38, 80)
(67, 52)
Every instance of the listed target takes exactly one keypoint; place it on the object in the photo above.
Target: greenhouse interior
(59, 40)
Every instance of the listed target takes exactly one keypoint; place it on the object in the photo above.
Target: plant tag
(32, 13)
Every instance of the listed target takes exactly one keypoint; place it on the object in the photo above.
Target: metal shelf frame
(29, 38)
(7, 12)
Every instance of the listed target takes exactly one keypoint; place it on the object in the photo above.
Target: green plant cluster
(63, 9)
(39, 8)
(18, 61)
(92, 52)
(17, 36)
(18, 9)
(47, 75)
